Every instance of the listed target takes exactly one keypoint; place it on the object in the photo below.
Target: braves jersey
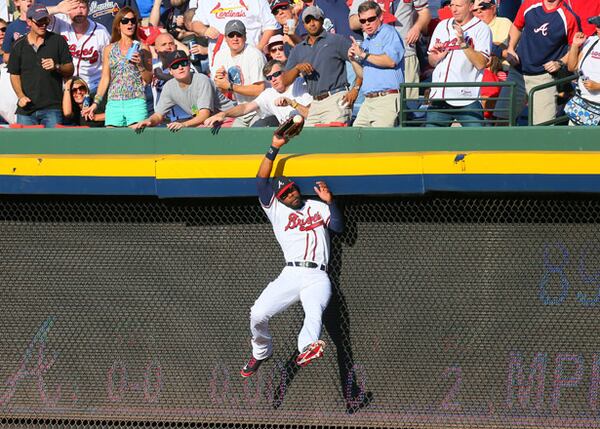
(302, 233)
(87, 50)
(545, 34)
(456, 67)
(255, 14)
(104, 11)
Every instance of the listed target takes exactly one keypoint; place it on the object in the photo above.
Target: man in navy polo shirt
(321, 59)
(380, 62)
(538, 46)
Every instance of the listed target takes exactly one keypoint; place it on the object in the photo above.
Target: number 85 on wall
(556, 260)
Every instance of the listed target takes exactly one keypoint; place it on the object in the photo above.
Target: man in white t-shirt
(86, 40)
(238, 69)
(212, 16)
(459, 50)
(276, 101)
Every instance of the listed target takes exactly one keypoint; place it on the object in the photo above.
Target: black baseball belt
(307, 264)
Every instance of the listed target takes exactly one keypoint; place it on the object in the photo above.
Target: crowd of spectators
(251, 63)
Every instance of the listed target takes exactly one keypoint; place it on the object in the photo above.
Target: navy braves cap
(37, 12)
(175, 57)
(281, 184)
(235, 26)
(594, 20)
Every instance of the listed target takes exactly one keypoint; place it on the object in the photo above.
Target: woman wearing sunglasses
(75, 93)
(126, 70)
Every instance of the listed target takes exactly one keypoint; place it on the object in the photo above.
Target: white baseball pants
(310, 286)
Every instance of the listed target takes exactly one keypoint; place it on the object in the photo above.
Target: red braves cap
(281, 184)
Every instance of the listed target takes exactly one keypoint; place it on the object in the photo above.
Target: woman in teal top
(124, 77)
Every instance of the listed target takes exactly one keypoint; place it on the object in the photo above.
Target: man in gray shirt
(410, 18)
(194, 93)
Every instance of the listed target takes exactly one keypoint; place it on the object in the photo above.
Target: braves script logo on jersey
(542, 29)
(230, 12)
(453, 45)
(90, 55)
(310, 223)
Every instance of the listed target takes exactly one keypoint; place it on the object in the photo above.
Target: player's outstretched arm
(266, 165)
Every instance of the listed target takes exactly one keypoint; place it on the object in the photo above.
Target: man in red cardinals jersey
(86, 40)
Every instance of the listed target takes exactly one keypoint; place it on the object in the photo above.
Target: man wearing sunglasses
(278, 101)
(37, 65)
(194, 93)
(301, 228)
(410, 19)
(321, 60)
(380, 62)
(238, 69)
(284, 15)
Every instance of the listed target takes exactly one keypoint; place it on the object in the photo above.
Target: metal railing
(541, 87)
(410, 116)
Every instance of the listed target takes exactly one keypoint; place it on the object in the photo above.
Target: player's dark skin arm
(264, 170)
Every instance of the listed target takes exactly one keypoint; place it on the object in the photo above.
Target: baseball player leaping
(300, 227)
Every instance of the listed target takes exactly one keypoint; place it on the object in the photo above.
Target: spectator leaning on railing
(380, 63)
(124, 74)
(459, 50)
(37, 65)
(410, 19)
(194, 93)
(537, 49)
(584, 58)
(278, 101)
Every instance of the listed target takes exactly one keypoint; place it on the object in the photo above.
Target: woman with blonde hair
(125, 72)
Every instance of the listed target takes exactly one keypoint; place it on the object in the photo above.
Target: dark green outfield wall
(333, 140)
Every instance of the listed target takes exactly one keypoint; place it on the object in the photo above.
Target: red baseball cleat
(310, 352)
(251, 366)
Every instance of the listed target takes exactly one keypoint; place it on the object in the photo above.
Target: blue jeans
(466, 115)
(49, 118)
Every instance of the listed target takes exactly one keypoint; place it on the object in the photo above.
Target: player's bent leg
(314, 300)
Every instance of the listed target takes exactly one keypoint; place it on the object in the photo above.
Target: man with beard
(321, 59)
(86, 40)
(37, 65)
(300, 227)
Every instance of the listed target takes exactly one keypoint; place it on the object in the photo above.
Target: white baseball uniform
(303, 237)
(456, 67)
(87, 50)
(255, 14)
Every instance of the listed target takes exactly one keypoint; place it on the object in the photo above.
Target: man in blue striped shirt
(380, 62)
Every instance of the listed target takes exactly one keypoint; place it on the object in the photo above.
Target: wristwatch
(464, 45)
(57, 67)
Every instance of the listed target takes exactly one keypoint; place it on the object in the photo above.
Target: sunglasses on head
(369, 19)
(272, 76)
(184, 63)
(276, 48)
(126, 21)
(79, 89)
